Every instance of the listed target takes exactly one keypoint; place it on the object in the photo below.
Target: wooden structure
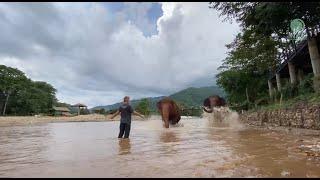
(296, 61)
(80, 106)
(61, 111)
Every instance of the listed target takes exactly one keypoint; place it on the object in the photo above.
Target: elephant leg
(165, 115)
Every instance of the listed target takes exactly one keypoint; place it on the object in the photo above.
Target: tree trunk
(315, 61)
(314, 55)
(278, 81)
(292, 73)
(5, 104)
(270, 89)
(247, 94)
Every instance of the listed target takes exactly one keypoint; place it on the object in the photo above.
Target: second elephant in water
(169, 111)
(213, 101)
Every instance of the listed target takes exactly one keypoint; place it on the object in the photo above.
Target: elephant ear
(175, 106)
(206, 102)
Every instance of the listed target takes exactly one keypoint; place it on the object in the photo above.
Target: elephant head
(169, 111)
(213, 101)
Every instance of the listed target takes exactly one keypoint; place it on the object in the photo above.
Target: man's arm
(138, 114)
(115, 114)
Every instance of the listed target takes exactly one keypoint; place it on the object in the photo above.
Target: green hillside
(188, 97)
(195, 96)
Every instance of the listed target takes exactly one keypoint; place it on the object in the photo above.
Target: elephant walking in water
(213, 101)
(169, 111)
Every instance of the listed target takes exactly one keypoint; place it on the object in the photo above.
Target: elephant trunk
(206, 110)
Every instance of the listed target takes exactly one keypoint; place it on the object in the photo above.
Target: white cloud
(94, 57)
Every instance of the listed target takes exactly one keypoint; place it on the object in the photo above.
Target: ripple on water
(192, 150)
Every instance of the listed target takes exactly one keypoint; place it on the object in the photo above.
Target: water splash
(223, 117)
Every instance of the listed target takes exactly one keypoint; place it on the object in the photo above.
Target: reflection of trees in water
(124, 146)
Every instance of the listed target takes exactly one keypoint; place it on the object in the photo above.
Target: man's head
(126, 100)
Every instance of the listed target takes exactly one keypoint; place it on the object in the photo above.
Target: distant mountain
(195, 96)
(188, 97)
(134, 103)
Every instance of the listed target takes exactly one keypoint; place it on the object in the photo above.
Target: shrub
(306, 85)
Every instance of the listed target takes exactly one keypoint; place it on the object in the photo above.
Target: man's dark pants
(124, 129)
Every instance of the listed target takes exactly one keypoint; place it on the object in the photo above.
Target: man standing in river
(125, 122)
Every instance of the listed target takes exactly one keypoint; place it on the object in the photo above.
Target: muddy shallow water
(194, 149)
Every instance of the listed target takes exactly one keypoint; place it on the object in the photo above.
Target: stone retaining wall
(301, 116)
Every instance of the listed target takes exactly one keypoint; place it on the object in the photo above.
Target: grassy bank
(306, 99)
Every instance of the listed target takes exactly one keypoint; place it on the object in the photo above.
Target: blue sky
(152, 15)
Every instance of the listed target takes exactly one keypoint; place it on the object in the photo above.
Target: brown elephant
(213, 101)
(169, 111)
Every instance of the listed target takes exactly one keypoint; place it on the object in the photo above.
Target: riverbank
(28, 120)
(301, 114)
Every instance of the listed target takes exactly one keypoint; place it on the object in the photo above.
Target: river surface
(195, 149)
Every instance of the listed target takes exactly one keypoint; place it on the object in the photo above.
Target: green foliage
(269, 17)
(143, 107)
(311, 98)
(255, 51)
(289, 91)
(188, 97)
(235, 83)
(194, 96)
(84, 111)
(306, 85)
(100, 111)
(25, 97)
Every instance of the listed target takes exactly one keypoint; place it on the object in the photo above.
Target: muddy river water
(194, 149)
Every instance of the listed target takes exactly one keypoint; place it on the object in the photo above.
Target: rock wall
(300, 116)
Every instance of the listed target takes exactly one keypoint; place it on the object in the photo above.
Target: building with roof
(298, 61)
(61, 111)
(80, 106)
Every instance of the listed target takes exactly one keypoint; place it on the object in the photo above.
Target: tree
(259, 48)
(11, 81)
(22, 96)
(272, 19)
(144, 107)
(269, 17)
(84, 111)
(100, 111)
(252, 52)
(236, 82)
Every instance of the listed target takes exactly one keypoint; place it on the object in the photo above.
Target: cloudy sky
(95, 53)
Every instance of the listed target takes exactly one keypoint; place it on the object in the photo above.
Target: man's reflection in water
(124, 146)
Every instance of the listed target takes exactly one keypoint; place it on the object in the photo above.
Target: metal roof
(63, 109)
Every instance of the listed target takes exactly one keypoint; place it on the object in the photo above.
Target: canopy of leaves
(258, 48)
(26, 97)
(143, 107)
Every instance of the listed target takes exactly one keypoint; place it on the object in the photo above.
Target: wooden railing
(292, 50)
